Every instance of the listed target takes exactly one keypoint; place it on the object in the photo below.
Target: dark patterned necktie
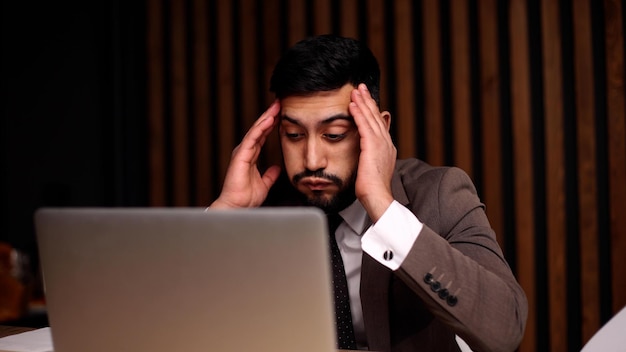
(343, 317)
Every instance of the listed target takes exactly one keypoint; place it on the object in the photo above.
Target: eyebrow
(323, 122)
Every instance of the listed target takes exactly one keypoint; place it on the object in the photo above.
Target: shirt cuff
(391, 238)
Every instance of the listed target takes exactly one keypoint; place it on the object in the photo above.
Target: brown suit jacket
(408, 310)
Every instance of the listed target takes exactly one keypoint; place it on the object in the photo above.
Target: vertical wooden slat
(405, 90)
(155, 89)
(349, 22)
(249, 60)
(461, 86)
(616, 133)
(321, 19)
(523, 162)
(296, 21)
(433, 102)
(203, 143)
(377, 42)
(490, 115)
(271, 44)
(225, 85)
(555, 175)
(273, 50)
(586, 158)
(179, 105)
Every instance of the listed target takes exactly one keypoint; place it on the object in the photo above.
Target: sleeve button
(435, 286)
(452, 300)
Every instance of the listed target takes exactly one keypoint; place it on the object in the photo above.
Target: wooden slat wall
(556, 231)
(433, 82)
(587, 166)
(461, 79)
(489, 174)
(203, 142)
(521, 125)
(405, 83)
(616, 137)
(179, 89)
(527, 96)
(155, 107)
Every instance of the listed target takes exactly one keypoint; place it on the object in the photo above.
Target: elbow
(505, 337)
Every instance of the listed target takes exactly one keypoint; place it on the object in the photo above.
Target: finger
(271, 175)
(367, 99)
(264, 124)
(373, 108)
(272, 110)
(262, 127)
(357, 96)
(255, 149)
(268, 131)
(363, 115)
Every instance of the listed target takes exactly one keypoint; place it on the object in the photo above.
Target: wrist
(219, 204)
(376, 206)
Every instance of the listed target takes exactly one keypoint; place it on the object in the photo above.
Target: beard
(333, 203)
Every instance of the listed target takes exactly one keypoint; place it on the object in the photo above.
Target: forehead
(317, 106)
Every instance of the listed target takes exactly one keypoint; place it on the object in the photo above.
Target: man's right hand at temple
(244, 186)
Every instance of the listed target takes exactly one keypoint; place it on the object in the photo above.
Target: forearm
(482, 303)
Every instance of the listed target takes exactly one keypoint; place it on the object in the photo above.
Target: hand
(378, 153)
(244, 186)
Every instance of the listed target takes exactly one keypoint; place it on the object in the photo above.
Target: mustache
(318, 174)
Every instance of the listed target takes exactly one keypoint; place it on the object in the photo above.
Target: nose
(314, 156)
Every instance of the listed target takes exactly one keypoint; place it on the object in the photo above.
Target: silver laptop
(181, 279)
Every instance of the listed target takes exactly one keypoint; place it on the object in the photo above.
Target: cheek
(351, 151)
(344, 160)
(291, 158)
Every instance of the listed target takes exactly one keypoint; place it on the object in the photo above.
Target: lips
(316, 184)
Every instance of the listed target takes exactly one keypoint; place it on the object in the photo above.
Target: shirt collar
(356, 217)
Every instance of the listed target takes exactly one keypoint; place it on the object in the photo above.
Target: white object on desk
(38, 340)
(611, 337)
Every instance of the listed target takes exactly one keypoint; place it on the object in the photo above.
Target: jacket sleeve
(457, 267)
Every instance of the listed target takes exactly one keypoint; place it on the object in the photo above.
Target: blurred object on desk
(15, 283)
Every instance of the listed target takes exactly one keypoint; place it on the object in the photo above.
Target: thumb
(271, 175)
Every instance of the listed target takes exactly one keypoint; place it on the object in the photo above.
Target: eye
(294, 136)
(334, 137)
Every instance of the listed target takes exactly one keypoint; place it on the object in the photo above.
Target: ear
(386, 115)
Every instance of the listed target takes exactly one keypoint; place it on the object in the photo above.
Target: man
(421, 261)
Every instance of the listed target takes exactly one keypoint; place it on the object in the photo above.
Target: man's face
(320, 144)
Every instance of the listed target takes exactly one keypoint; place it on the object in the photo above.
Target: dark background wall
(73, 110)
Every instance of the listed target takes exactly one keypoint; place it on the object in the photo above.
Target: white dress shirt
(357, 234)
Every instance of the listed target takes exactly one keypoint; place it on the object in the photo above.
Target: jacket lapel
(375, 280)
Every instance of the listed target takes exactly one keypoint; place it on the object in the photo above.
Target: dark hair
(324, 63)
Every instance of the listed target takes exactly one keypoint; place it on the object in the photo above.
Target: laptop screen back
(168, 279)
